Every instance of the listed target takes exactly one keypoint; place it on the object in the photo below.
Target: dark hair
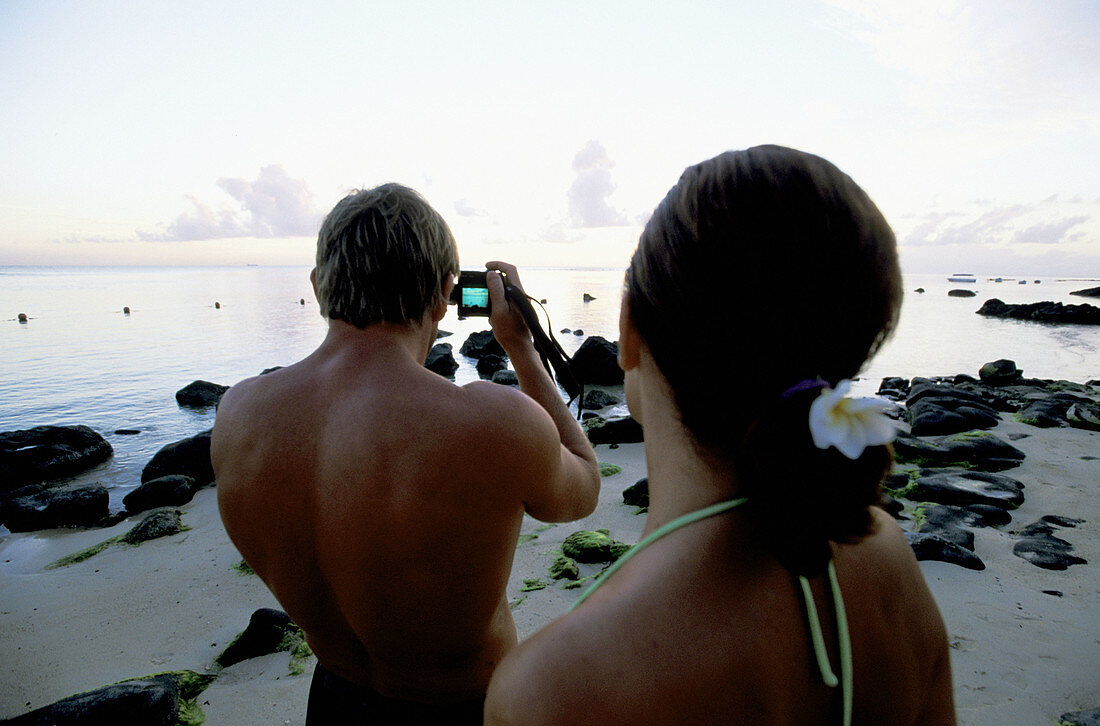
(760, 269)
(383, 255)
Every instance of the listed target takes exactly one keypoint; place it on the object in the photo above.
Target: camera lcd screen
(475, 297)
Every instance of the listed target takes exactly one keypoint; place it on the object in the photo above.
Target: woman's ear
(629, 340)
(313, 280)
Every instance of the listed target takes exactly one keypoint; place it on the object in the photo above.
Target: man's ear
(629, 340)
(441, 309)
(313, 280)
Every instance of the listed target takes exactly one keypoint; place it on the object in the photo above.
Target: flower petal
(849, 424)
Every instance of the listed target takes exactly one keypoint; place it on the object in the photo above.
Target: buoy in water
(302, 301)
(217, 306)
(125, 311)
(22, 317)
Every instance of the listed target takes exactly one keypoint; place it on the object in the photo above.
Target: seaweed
(83, 554)
(609, 469)
(243, 568)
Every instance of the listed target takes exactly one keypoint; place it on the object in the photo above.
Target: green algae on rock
(588, 546)
(530, 584)
(565, 568)
(161, 698)
(609, 469)
(269, 631)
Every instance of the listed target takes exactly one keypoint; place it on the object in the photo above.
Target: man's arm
(575, 490)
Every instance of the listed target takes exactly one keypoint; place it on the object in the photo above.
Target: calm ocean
(81, 360)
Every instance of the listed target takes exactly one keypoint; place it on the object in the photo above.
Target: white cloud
(464, 208)
(1051, 232)
(272, 206)
(559, 234)
(1051, 221)
(588, 195)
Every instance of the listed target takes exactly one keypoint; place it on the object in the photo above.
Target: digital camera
(471, 294)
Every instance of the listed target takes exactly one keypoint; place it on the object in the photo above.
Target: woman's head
(760, 269)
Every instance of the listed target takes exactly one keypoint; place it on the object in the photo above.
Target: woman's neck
(683, 477)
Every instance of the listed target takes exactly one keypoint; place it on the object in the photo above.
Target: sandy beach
(1020, 654)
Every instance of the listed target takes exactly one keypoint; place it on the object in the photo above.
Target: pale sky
(222, 132)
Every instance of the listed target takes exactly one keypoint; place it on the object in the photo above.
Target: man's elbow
(589, 492)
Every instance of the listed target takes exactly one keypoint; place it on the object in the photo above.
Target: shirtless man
(378, 501)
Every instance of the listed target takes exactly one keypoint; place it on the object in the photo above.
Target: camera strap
(547, 346)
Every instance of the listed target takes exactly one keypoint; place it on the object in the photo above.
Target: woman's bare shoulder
(547, 679)
(883, 584)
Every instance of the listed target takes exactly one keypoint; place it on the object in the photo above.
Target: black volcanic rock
(894, 388)
(961, 293)
(481, 343)
(172, 490)
(1061, 410)
(947, 411)
(1042, 312)
(189, 457)
(1001, 372)
(440, 360)
(597, 399)
(46, 453)
(161, 523)
(596, 361)
(156, 700)
(1088, 292)
(489, 364)
(637, 494)
(962, 487)
(1091, 717)
(1039, 546)
(935, 547)
(975, 449)
(57, 507)
(267, 632)
(622, 430)
(200, 394)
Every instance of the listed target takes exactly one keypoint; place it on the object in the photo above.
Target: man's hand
(509, 328)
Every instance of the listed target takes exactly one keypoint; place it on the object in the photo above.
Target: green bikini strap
(843, 637)
(655, 535)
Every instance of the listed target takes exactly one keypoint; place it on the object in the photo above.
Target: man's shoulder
(497, 397)
(503, 407)
(241, 395)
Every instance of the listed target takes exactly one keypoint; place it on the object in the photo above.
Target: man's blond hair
(383, 255)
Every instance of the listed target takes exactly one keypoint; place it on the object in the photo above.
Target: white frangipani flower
(849, 424)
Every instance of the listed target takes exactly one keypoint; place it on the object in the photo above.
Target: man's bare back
(381, 503)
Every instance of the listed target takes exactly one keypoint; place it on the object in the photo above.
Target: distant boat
(962, 277)
(1022, 282)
